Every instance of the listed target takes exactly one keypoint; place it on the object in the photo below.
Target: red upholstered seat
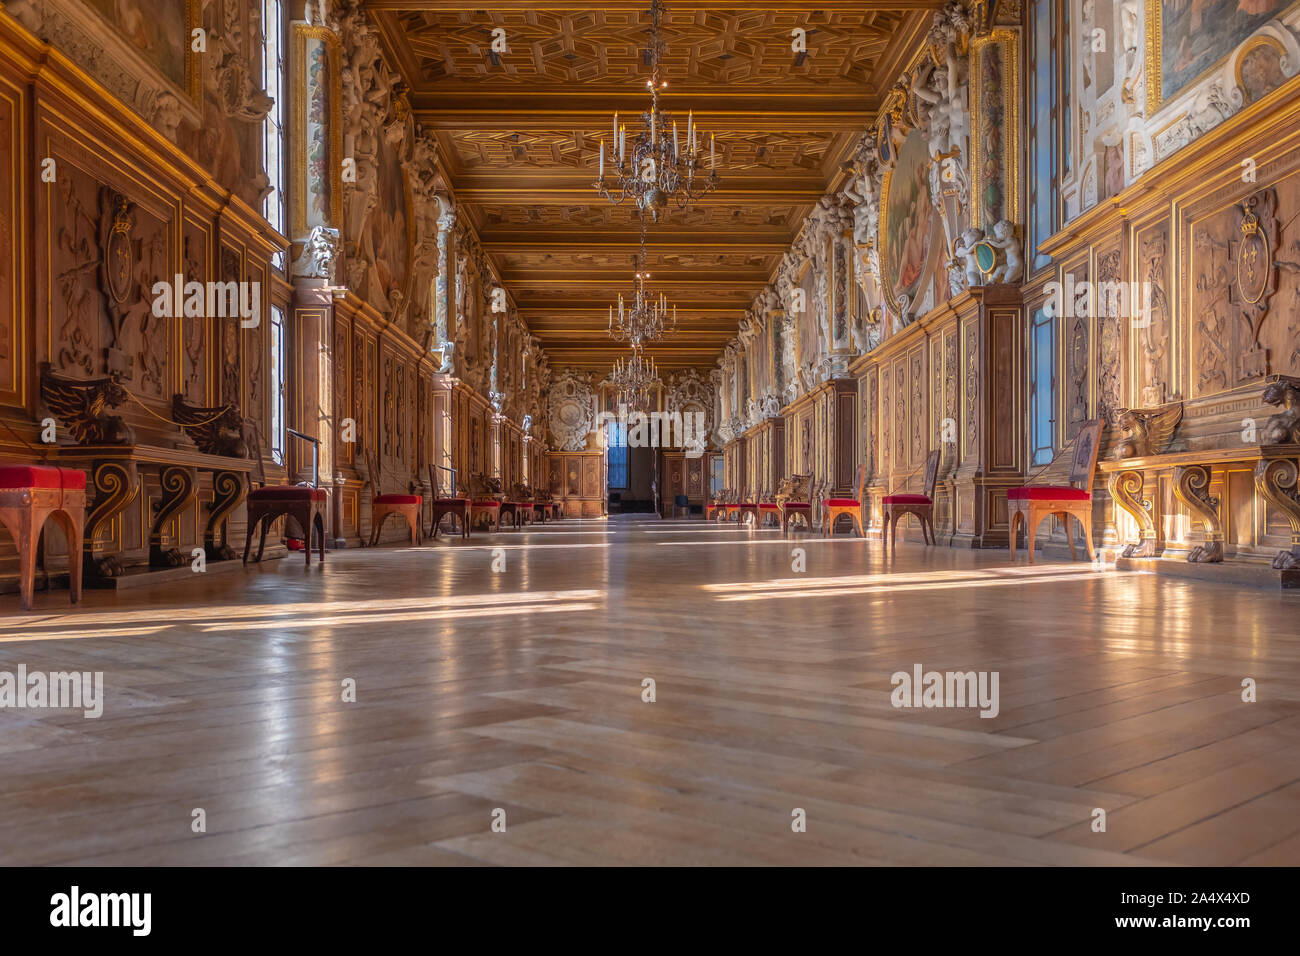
(768, 506)
(489, 503)
(397, 499)
(1048, 493)
(841, 502)
(287, 493)
(451, 501)
(797, 505)
(907, 500)
(41, 476)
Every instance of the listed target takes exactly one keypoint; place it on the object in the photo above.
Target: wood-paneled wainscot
(953, 381)
(384, 384)
(577, 479)
(1182, 384)
(98, 209)
(820, 437)
(765, 453)
(682, 475)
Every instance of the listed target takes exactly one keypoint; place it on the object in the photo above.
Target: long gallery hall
(650, 433)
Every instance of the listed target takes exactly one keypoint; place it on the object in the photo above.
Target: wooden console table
(114, 481)
(1192, 473)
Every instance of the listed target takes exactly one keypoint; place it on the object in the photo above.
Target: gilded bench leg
(1278, 481)
(1192, 488)
(1125, 489)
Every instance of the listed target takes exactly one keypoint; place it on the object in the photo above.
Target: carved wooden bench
(1192, 475)
(1142, 457)
(208, 440)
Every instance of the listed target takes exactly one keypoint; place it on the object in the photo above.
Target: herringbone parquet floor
(520, 690)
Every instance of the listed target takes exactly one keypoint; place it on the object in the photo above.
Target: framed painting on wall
(1188, 38)
(907, 224)
(159, 32)
(995, 137)
(318, 164)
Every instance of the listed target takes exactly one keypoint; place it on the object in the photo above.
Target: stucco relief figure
(572, 413)
(864, 194)
(965, 251)
(319, 257)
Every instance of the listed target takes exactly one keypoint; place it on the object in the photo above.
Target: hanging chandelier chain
(652, 169)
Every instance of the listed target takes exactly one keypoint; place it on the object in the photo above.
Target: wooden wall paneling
(15, 333)
(200, 372)
(579, 480)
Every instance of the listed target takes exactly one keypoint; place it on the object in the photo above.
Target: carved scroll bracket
(1126, 489)
(179, 486)
(228, 490)
(1192, 487)
(116, 485)
(1276, 481)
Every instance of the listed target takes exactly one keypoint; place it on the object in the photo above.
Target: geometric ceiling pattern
(520, 133)
(705, 48)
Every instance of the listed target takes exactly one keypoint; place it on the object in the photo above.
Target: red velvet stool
(383, 505)
(893, 507)
(304, 503)
(29, 494)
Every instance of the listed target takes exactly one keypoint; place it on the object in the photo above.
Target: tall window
(279, 394)
(1042, 387)
(274, 208)
(616, 445)
(1044, 121)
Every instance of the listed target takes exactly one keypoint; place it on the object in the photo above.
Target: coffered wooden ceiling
(520, 134)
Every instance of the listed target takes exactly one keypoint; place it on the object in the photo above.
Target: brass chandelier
(649, 167)
(635, 378)
(646, 317)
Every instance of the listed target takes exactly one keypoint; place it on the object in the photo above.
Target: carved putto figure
(1004, 238)
(965, 251)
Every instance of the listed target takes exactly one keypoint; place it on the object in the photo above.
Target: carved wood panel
(1244, 297)
(1111, 334)
(196, 255)
(1153, 368)
(13, 253)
